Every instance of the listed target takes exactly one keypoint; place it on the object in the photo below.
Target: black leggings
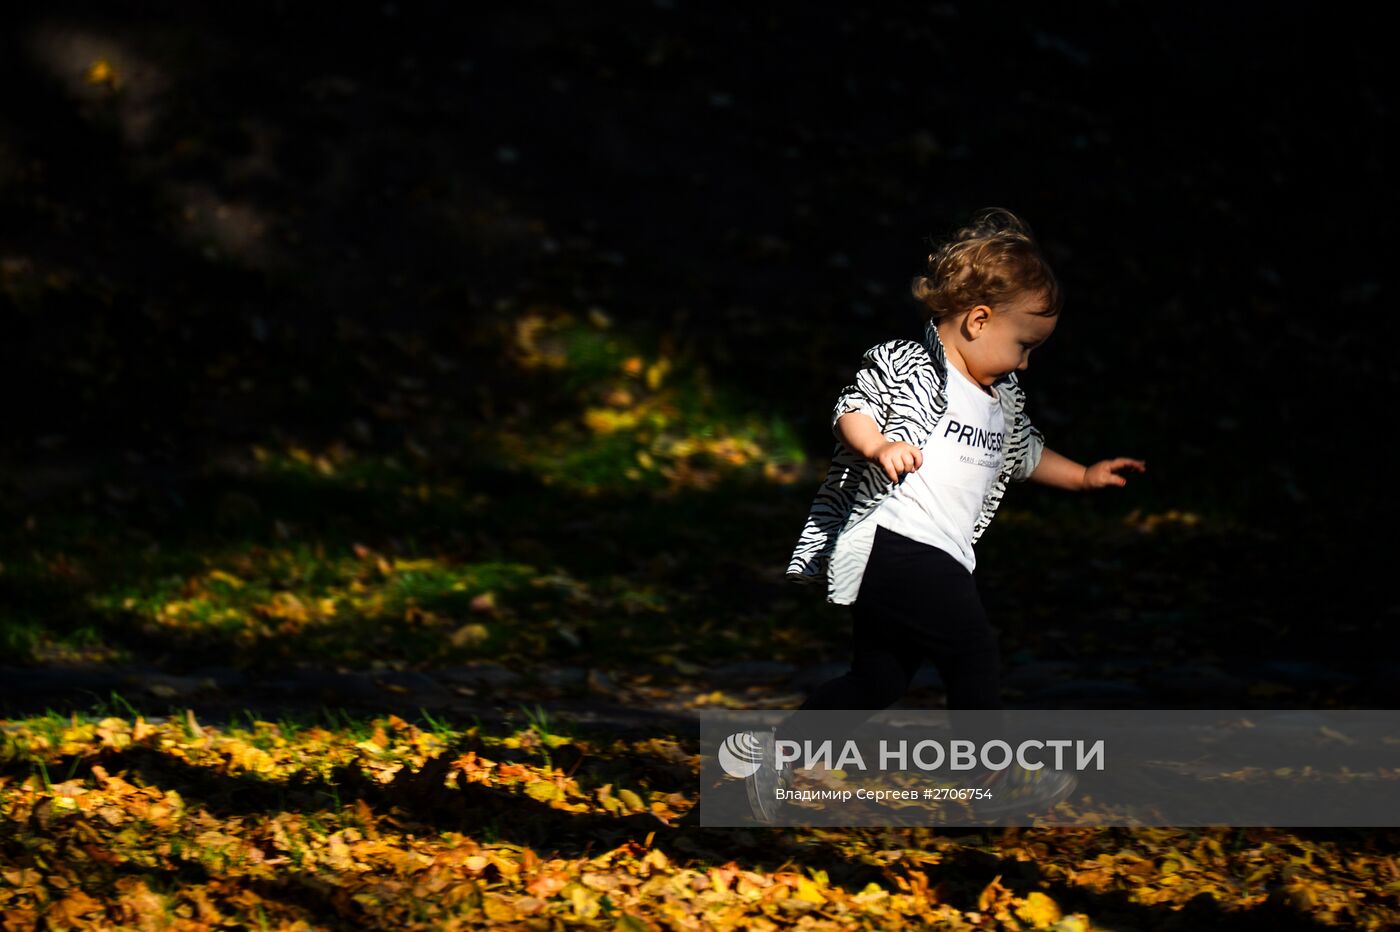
(915, 602)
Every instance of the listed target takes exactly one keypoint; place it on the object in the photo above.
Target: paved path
(661, 700)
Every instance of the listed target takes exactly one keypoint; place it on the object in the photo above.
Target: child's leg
(918, 601)
(882, 665)
(883, 658)
(962, 644)
(881, 668)
(951, 627)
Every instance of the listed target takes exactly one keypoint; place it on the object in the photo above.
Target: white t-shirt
(939, 502)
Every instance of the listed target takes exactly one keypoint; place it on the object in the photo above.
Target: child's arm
(1061, 472)
(863, 407)
(859, 431)
(869, 394)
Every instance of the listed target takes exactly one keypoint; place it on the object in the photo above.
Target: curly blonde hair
(989, 261)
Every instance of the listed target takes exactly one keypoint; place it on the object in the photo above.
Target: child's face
(1000, 340)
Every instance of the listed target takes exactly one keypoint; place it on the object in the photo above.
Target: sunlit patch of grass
(644, 419)
(340, 602)
(346, 605)
(355, 605)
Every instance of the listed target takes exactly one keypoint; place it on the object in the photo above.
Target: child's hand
(898, 457)
(1101, 474)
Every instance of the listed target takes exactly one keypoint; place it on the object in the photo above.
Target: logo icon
(740, 754)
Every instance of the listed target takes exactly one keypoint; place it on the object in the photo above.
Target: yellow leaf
(497, 908)
(1039, 910)
(585, 903)
(991, 894)
(337, 853)
(542, 790)
(809, 891)
(656, 372)
(227, 578)
(248, 758)
(140, 900)
(547, 883)
(607, 421)
(64, 913)
(214, 840)
(470, 635)
(1075, 922)
(1301, 895)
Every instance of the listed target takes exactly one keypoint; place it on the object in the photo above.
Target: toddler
(930, 434)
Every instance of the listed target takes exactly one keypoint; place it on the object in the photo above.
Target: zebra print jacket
(901, 384)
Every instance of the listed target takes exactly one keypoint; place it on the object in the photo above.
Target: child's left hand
(1101, 474)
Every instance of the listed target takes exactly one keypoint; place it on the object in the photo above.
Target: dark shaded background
(316, 223)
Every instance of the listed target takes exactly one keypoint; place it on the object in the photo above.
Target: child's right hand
(897, 457)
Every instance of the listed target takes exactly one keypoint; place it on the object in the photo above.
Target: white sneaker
(763, 783)
(1018, 790)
